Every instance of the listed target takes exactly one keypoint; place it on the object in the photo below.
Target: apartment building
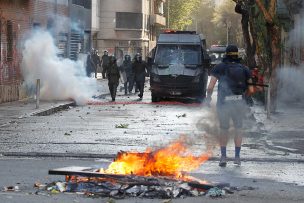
(129, 27)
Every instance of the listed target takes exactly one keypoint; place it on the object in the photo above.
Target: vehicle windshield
(217, 56)
(178, 54)
(190, 55)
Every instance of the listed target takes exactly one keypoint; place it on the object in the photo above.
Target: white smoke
(60, 78)
(291, 84)
(291, 77)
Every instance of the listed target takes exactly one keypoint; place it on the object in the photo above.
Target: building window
(10, 41)
(129, 20)
(85, 3)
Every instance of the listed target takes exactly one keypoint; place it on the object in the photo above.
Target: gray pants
(234, 110)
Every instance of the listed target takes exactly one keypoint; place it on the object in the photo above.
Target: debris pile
(141, 187)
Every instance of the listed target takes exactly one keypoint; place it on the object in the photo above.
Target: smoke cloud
(291, 84)
(291, 77)
(61, 78)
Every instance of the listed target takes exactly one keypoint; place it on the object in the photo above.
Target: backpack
(236, 78)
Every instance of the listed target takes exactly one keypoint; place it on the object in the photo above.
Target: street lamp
(228, 26)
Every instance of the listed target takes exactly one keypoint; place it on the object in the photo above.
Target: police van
(217, 53)
(179, 66)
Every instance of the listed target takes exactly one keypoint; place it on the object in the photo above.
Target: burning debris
(162, 173)
(173, 161)
(131, 186)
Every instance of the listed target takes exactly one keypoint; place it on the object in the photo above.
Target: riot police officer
(127, 68)
(139, 68)
(112, 73)
(105, 63)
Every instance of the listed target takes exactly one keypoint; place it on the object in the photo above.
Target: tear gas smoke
(60, 78)
(291, 84)
(291, 77)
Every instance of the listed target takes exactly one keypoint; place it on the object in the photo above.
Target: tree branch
(266, 14)
(272, 8)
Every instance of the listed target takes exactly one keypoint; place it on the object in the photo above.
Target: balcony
(157, 20)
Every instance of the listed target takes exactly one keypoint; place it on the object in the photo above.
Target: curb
(53, 109)
(112, 156)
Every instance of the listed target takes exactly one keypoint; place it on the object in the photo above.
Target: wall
(18, 13)
(23, 15)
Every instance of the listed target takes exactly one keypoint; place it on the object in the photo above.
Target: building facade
(14, 21)
(69, 21)
(129, 27)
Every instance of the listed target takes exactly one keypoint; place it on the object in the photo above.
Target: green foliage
(224, 16)
(180, 12)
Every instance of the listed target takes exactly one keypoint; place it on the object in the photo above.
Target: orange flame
(174, 160)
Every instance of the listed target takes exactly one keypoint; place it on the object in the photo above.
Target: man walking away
(233, 79)
(105, 63)
(112, 73)
(139, 70)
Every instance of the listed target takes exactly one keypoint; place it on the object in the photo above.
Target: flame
(175, 160)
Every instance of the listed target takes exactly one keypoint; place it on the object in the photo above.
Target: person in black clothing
(89, 64)
(105, 62)
(113, 76)
(233, 79)
(139, 68)
(97, 61)
(127, 68)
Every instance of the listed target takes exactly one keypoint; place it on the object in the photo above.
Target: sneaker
(223, 161)
(237, 161)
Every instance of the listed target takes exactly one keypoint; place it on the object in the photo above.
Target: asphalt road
(90, 132)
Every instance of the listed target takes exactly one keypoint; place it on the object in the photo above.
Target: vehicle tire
(155, 98)
(200, 99)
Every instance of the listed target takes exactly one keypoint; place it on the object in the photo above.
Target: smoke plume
(291, 77)
(61, 78)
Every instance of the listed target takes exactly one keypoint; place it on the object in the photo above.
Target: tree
(203, 23)
(180, 13)
(246, 9)
(225, 17)
(273, 29)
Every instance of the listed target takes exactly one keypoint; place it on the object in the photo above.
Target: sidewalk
(284, 129)
(11, 111)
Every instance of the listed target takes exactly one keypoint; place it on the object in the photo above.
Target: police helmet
(127, 57)
(138, 57)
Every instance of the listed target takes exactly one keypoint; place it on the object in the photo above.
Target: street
(90, 136)
(206, 71)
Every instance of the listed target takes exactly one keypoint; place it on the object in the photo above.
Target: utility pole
(228, 25)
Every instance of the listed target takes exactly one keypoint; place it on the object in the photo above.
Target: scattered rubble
(122, 125)
(11, 189)
(183, 115)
